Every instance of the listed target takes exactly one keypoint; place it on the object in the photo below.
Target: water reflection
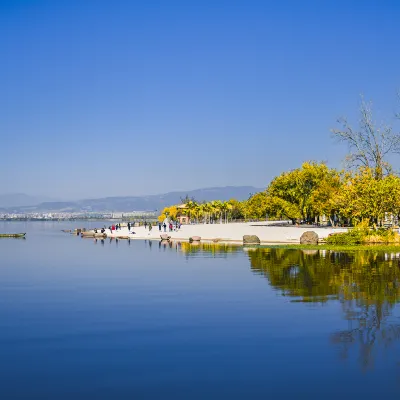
(366, 283)
(209, 249)
(366, 277)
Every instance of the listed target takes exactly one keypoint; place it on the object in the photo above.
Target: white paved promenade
(229, 232)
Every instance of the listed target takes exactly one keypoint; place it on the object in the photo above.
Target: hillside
(139, 203)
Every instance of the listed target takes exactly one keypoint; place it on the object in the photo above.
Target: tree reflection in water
(367, 284)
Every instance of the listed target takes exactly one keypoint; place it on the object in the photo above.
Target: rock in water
(165, 237)
(251, 239)
(309, 237)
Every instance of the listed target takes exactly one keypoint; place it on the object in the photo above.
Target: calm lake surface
(81, 319)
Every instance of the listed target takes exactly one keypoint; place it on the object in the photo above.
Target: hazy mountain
(21, 199)
(141, 203)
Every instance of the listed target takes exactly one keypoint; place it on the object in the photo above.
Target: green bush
(361, 234)
(351, 237)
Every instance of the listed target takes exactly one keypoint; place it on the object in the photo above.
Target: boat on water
(12, 235)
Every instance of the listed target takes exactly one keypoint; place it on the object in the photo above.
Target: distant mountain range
(126, 203)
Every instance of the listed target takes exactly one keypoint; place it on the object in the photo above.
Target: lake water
(81, 319)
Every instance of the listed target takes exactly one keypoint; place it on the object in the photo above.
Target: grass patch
(333, 247)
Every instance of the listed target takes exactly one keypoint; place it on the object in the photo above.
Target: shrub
(362, 234)
(351, 237)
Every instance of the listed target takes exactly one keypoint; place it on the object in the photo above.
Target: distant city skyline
(134, 98)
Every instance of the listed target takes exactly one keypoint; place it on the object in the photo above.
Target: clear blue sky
(101, 98)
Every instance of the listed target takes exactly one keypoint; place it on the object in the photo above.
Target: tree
(364, 197)
(191, 207)
(207, 209)
(225, 208)
(170, 212)
(186, 199)
(236, 211)
(214, 209)
(257, 206)
(370, 144)
(294, 194)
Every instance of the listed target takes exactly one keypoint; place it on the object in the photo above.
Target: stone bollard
(309, 237)
(251, 239)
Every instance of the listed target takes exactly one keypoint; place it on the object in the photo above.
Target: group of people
(115, 227)
(172, 226)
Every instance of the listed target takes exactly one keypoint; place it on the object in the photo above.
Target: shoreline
(269, 232)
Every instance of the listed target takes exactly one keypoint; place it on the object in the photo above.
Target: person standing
(159, 226)
(145, 224)
(129, 226)
(150, 227)
(165, 227)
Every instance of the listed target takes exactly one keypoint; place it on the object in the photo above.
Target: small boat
(12, 235)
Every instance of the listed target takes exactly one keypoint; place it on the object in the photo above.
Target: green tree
(257, 206)
(302, 193)
(365, 197)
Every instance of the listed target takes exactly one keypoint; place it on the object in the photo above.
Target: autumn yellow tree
(365, 197)
(303, 193)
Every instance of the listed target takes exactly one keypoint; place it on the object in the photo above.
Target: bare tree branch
(369, 145)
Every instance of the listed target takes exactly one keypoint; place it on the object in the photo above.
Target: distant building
(181, 215)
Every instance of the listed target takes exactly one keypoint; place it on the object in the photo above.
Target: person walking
(129, 226)
(165, 227)
(159, 226)
(150, 227)
(145, 224)
(170, 226)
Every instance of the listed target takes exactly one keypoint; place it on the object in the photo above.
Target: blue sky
(102, 98)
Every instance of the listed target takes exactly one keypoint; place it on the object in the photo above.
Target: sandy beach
(268, 232)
